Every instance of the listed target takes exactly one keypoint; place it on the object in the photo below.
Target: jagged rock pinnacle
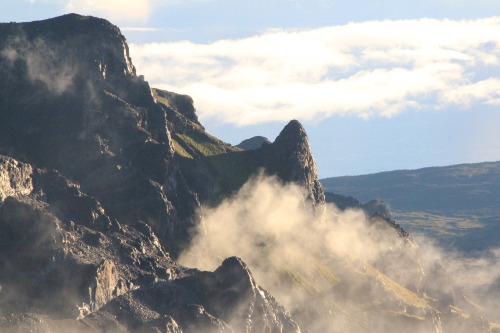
(294, 162)
(291, 132)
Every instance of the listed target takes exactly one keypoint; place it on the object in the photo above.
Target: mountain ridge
(104, 181)
(457, 204)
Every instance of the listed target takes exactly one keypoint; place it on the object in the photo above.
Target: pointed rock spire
(292, 160)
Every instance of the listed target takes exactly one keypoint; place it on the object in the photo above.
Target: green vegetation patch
(179, 149)
(203, 144)
(228, 166)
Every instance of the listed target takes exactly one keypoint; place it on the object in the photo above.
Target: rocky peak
(293, 134)
(292, 160)
(231, 293)
(51, 45)
(183, 104)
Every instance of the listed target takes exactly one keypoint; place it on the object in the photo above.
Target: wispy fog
(338, 270)
(43, 62)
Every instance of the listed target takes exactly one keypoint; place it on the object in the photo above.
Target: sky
(379, 85)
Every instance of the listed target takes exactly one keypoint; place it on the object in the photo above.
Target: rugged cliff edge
(92, 194)
(72, 102)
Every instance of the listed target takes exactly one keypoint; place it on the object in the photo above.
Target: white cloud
(485, 90)
(376, 68)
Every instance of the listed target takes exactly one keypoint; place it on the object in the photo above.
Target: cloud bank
(376, 68)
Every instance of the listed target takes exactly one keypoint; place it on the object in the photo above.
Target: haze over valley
(457, 206)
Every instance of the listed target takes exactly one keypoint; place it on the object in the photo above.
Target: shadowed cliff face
(72, 102)
(293, 161)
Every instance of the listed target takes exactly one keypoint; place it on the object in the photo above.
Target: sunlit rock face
(15, 178)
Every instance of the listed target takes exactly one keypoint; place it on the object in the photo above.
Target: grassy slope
(226, 165)
(324, 285)
(230, 165)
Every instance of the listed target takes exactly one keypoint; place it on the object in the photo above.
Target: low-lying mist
(340, 271)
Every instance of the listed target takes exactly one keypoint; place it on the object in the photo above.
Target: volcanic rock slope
(101, 180)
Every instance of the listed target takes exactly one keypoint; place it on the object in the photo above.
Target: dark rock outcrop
(226, 300)
(179, 109)
(291, 159)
